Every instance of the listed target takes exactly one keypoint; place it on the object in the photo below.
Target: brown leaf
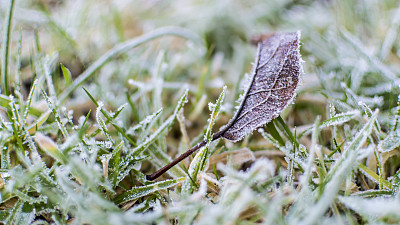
(272, 87)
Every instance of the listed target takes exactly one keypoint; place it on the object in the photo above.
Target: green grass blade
(200, 161)
(373, 176)
(6, 49)
(146, 143)
(337, 119)
(52, 107)
(67, 75)
(51, 148)
(139, 192)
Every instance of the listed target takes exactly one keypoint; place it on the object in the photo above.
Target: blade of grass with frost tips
(215, 112)
(144, 206)
(353, 99)
(138, 192)
(368, 112)
(29, 199)
(123, 172)
(338, 119)
(29, 102)
(356, 144)
(44, 67)
(286, 131)
(288, 152)
(110, 119)
(14, 213)
(116, 157)
(5, 101)
(145, 144)
(268, 137)
(336, 176)
(373, 176)
(6, 49)
(86, 204)
(313, 214)
(200, 161)
(382, 209)
(380, 88)
(143, 124)
(17, 76)
(305, 180)
(126, 46)
(158, 153)
(378, 158)
(5, 157)
(342, 106)
(396, 185)
(154, 121)
(372, 193)
(103, 125)
(305, 197)
(16, 123)
(53, 109)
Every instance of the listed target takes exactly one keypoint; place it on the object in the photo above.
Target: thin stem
(181, 157)
(6, 49)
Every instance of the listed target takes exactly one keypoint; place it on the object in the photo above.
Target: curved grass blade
(123, 47)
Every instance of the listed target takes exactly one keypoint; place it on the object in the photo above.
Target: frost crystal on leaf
(272, 87)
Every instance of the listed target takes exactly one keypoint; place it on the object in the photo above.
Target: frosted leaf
(272, 87)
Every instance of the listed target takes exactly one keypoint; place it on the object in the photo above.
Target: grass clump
(96, 95)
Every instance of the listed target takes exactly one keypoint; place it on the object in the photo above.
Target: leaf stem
(161, 171)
